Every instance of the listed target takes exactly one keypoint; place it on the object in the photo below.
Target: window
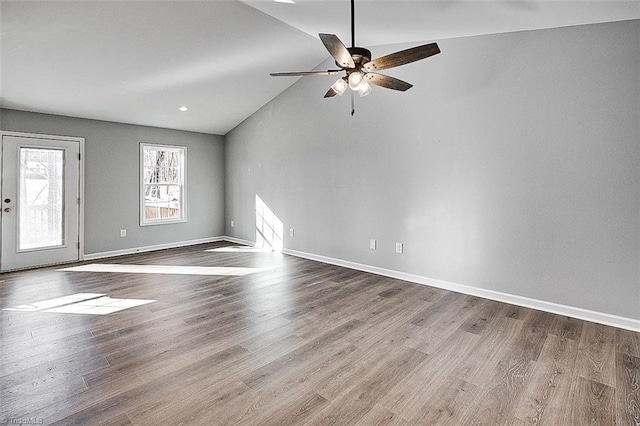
(163, 186)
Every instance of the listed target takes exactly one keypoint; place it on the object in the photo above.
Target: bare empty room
(305, 212)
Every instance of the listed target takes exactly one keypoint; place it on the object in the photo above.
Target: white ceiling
(139, 61)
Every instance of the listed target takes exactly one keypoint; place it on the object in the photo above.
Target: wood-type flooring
(297, 342)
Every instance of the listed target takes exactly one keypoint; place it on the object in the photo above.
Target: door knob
(7, 210)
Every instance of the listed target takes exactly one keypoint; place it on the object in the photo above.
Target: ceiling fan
(360, 71)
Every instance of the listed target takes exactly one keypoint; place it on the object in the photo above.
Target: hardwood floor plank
(515, 312)
(627, 389)
(392, 308)
(627, 342)
(362, 396)
(273, 335)
(567, 327)
(214, 383)
(439, 308)
(449, 404)
(593, 403)
(210, 402)
(43, 353)
(550, 385)
(497, 402)
(380, 416)
(248, 361)
(253, 406)
(295, 410)
(596, 354)
(535, 329)
(333, 379)
(64, 404)
(478, 364)
(394, 333)
(487, 312)
(432, 334)
(270, 398)
(294, 358)
(502, 393)
(44, 380)
(28, 397)
(411, 394)
(106, 401)
(120, 420)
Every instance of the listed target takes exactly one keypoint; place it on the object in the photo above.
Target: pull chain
(353, 104)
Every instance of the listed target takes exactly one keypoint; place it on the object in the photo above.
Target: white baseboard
(555, 308)
(113, 253)
(238, 241)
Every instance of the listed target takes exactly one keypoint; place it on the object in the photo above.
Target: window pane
(41, 198)
(162, 169)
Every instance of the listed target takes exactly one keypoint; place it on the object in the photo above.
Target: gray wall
(513, 165)
(112, 152)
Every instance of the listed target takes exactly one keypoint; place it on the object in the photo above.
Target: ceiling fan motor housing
(360, 56)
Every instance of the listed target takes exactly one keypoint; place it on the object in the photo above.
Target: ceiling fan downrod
(353, 24)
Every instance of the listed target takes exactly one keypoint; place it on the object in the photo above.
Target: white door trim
(80, 141)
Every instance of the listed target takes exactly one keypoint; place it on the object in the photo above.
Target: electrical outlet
(291, 233)
(233, 224)
(372, 244)
(399, 247)
(123, 233)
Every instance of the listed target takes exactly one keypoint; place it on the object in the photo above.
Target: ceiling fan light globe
(365, 89)
(339, 86)
(355, 80)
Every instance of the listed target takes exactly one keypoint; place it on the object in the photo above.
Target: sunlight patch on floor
(164, 269)
(82, 303)
(241, 249)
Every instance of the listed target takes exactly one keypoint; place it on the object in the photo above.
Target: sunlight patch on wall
(82, 303)
(164, 269)
(269, 228)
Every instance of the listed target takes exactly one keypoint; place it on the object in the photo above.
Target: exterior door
(40, 201)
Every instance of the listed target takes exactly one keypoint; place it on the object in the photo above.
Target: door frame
(80, 141)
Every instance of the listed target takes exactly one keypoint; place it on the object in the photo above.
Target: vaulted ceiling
(139, 61)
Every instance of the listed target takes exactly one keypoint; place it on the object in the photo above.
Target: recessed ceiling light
(285, 1)
(184, 108)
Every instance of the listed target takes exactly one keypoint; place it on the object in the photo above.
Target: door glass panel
(41, 198)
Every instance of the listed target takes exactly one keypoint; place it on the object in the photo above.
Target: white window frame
(183, 185)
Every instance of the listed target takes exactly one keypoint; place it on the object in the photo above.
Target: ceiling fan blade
(403, 57)
(330, 93)
(387, 82)
(338, 50)
(304, 73)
